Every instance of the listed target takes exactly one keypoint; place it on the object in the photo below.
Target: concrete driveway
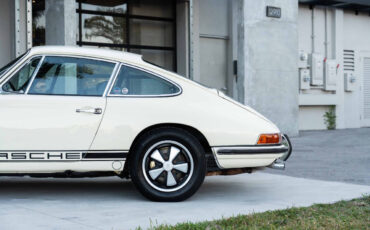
(333, 155)
(110, 203)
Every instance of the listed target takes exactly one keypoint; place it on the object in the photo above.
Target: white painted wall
(345, 30)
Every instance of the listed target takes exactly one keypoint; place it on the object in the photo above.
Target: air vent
(349, 60)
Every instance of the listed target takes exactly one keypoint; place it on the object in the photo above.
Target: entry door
(366, 93)
(60, 110)
(47, 123)
(213, 43)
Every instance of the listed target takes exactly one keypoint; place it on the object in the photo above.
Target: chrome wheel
(167, 166)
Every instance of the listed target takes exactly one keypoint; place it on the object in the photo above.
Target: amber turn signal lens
(274, 138)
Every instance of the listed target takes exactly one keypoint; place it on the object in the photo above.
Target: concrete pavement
(333, 155)
(110, 203)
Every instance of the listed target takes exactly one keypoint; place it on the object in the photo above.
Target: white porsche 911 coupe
(81, 112)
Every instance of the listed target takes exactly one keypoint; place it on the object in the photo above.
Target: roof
(88, 52)
(357, 5)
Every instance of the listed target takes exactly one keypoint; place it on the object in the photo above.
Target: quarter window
(72, 76)
(19, 81)
(131, 81)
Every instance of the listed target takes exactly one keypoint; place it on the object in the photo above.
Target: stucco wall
(345, 31)
(267, 59)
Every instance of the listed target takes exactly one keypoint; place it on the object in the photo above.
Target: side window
(72, 76)
(131, 81)
(19, 81)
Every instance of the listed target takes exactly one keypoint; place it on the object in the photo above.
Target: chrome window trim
(34, 74)
(143, 96)
(7, 79)
(116, 64)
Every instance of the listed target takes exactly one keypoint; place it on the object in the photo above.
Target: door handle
(90, 110)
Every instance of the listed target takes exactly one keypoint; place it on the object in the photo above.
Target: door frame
(363, 55)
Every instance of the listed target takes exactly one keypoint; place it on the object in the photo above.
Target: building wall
(7, 31)
(332, 34)
(267, 60)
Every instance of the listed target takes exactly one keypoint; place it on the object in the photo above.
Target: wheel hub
(168, 166)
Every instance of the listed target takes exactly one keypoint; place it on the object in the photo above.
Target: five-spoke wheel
(167, 164)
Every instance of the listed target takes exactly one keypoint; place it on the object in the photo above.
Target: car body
(72, 111)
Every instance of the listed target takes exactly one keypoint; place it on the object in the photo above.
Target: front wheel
(168, 165)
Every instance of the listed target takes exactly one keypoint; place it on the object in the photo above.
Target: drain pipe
(190, 31)
(313, 28)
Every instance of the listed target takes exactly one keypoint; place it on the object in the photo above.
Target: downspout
(313, 28)
(326, 33)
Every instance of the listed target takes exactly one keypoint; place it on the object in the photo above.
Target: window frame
(122, 65)
(116, 65)
(128, 16)
(16, 70)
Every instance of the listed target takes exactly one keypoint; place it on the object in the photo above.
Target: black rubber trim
(104, 155)
(252, 151)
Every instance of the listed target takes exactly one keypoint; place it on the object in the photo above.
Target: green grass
(354, 214)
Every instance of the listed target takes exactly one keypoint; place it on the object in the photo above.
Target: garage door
(366, 92)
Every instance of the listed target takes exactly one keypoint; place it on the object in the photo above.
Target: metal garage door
(366, 92)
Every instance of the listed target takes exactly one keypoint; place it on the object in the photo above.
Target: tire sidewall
(184, 138)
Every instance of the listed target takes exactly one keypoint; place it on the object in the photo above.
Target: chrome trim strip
(236, 150)
(34, 74)
(144, 96)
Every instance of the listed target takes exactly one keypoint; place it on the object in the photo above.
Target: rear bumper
(247, 156)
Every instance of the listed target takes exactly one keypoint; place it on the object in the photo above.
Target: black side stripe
(104, 155)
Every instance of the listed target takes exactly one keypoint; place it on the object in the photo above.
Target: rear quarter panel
(221, 122)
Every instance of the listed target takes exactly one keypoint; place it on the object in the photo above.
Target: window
(72, 76)
(10, 64)
(131, 81)
(146, 27)
(19, 81)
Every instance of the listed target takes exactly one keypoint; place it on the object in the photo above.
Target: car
(84, 112)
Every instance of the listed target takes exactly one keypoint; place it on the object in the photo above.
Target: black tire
(190, 159)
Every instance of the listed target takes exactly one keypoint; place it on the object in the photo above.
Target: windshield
(10, 64)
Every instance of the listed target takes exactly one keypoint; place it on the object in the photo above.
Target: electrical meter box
(304, 78)
(330, 80)
(303, 59)
(316, 62)
(349, 81)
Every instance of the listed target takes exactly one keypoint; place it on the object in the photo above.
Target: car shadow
(90, 188)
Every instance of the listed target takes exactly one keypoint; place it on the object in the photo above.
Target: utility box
(330, 80)
(316, 62)
(303, 59)
(349, 81)
(304, 78)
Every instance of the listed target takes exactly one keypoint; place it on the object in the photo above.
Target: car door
(53, 103)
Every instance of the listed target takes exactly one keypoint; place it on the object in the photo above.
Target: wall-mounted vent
(349, 60)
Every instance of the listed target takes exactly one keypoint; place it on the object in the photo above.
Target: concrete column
(60, 22)
(7, 32)
(268, 61)
(338, 55)
(182, 38)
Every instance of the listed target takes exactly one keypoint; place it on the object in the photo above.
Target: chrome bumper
(255, 149)
(254, 156)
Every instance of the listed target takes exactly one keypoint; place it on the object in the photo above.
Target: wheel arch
(195, 132)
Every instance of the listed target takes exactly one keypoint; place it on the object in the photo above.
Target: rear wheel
(168, 164)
